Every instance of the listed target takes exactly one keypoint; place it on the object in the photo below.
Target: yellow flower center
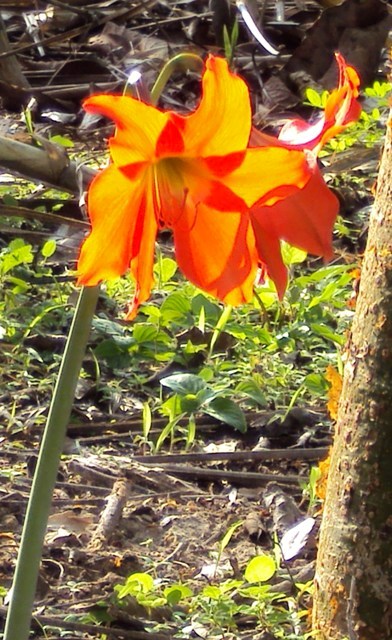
(178, 182)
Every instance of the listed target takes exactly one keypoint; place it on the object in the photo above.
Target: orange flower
(305, 219)
(193, 174)
(341, 109)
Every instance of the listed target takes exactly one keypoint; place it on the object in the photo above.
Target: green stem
(34, 529)
(181, 61)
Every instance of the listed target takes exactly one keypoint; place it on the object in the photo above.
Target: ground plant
(185, 355)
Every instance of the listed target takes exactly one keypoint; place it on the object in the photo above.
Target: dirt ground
(115, 510)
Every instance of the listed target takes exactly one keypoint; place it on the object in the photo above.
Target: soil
(118, 510)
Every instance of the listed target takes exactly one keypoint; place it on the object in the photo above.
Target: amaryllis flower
(342, 108)
(193, 174)
(305, 219)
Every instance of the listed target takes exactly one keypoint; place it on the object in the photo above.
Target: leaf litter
(119, 510)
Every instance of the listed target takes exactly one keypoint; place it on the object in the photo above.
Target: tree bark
(353, 585)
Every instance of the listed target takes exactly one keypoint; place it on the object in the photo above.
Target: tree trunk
(353, 585)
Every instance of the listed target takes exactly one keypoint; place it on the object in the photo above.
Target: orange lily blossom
(305, 219)
(341, 109)
(193, 174)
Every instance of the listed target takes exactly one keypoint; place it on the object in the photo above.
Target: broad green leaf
(136, 583)
(144, 333)
(212, 310)
(252, 389)
(211, 592)
(49, 248)
(165, 269)
(228, 412)
(177, 592)
(175, 307)
(16, 254)
(326, 332)
(313, 97)
(62, 140)
(184, 383)
(316, 383)
(292, 255)
(260, 569)
(190, 403)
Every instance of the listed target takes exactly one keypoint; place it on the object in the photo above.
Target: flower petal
(221, 123)
(341, 109)
(268, 174)
(305, 220)
(216, 252)
(123, 231)
(138, 125)
(143, 250)
(269, 251)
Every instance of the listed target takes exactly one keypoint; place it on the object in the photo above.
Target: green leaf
(228, 535)
(146, 420)
(220, 325)
(49, 248)
(175, 307)
(190, 403)
(17, 253)
(184, 383)
(228, 412)
(165, 269)
(316, 384)
(252, 389)
(62, 140)
(313, 97)
(260, 569)
(135, 584)
(144, 333)
(325, 332)
(212, 311)
(211, 592)
(292, 255)
(177, 592)
(114, 353)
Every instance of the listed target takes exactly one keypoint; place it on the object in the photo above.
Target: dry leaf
(335, 380)
(321, 484)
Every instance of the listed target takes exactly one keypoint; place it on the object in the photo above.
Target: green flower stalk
(27, 567)
(30, 552)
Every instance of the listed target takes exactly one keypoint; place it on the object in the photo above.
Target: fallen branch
(91, 629)
(49, 164)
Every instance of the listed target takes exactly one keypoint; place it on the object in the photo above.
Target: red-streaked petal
(341, 109)
(268, 174)
(302, 135)
(143, 249)
(216, 252)
(113, 206)
(261, 139)
(138, 125)
(269, 252)
(221, 198)
(220, 166)
(183, 183)
(304, 219)
(170, 141)
(119, 215)
(221, 123)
